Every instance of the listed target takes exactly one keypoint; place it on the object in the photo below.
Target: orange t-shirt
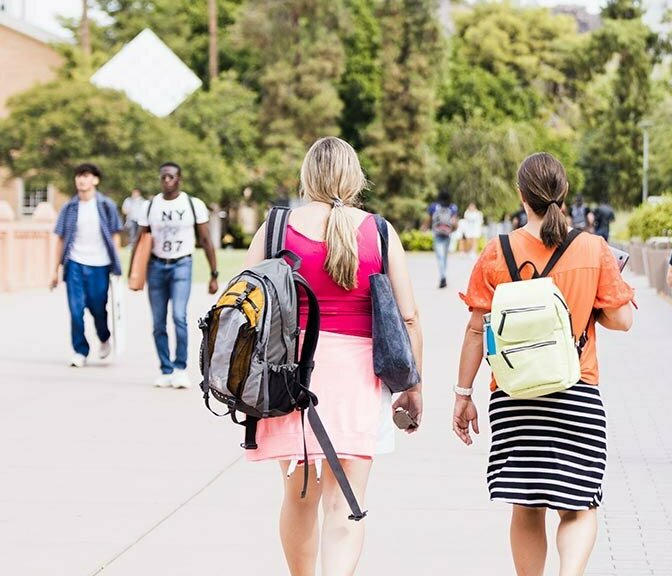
(587, 275)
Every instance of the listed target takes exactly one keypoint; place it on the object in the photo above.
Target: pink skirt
(354, 409)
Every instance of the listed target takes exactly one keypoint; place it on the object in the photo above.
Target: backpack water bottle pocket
(523, 323)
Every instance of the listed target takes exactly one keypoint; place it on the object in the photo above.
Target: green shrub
(416, 241)
(651, 220)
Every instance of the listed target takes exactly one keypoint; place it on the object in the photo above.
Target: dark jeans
(87, 287)
(170, 282)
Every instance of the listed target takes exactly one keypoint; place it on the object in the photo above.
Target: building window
(31, 198)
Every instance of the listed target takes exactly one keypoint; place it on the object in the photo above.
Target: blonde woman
(339, 247)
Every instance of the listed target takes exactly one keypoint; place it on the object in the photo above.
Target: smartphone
(621, 257)
(403, 420)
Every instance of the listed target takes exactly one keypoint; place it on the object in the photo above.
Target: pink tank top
(341, 311)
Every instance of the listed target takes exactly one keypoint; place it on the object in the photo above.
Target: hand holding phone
(403, 420)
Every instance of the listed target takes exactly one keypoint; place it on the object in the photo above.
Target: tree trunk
(213, 63)
(84, 33)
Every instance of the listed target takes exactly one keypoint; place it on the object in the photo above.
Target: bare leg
(299, 529)
(576, 538)
(528, 540)
(342, 539)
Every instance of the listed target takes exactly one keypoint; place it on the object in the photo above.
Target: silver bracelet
(463, 391)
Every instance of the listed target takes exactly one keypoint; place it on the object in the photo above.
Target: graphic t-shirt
(89, 247)
(172, 224)
(587, 275)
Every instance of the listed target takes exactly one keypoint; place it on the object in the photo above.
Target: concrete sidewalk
(103, 474)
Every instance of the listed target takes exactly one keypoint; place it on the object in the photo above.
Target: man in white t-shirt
(173, 217)
(87, 247)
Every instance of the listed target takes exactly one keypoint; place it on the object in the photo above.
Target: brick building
(27, 57)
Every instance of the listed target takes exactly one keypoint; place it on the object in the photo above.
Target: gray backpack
(250, 357)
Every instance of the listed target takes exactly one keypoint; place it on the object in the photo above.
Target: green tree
(54, 127)
(181, 24)
(226, 120)
(301, 59)
(400, 155)
(360, 85)
(624, 49)
(507, 63)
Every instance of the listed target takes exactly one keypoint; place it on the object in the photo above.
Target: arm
(257, 251)
(59, 257)
(116, 239)
(617, 318)
(400, 280)
(465, 412)
(206, 242)
(669, 275)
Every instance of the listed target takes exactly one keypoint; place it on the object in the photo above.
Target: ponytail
(553, 227)
(342, 260)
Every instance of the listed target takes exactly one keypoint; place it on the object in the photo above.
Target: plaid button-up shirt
(110, 223)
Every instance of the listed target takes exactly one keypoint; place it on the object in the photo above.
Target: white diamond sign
(149, 73)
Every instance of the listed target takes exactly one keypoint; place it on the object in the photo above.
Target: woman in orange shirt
(546, 452)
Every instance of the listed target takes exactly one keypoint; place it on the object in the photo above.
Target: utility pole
(84, 31)
(645, 125)
(213, 61)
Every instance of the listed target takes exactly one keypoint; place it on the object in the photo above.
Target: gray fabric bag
(393, 360)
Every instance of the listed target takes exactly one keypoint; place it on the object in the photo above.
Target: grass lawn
(229, 262)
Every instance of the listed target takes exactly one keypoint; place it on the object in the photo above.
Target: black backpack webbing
(276, 232)
(514, 269)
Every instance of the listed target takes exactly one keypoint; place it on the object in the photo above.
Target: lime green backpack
(535, 353)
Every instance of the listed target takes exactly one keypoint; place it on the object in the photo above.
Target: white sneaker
(163, 381)
(105, 349)
(181, 379)
(78, 361)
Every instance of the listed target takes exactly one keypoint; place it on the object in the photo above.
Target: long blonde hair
(331, 174)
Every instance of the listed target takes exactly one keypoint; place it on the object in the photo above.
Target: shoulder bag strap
(509, 257)
(193, 211)
(381, 225)
(276, 230)
(560, 250)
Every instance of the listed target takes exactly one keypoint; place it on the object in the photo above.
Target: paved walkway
(103, 474)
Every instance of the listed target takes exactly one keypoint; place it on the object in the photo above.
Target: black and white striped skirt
(550, 451)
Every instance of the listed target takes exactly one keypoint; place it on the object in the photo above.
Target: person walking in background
(669, 273)
(519, 218)
(579, 213)
(87, 248)
(174, 218)
(603, 217)
(339, 248)
(549, 451)
(443, 217)
(473, 229)
(131, 208)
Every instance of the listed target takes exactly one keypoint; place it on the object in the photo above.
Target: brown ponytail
(542, 181)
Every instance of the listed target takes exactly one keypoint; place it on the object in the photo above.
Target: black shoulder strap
(560, 250)
(276, 230)
(149, 209)
(383, 232)
(311, 333)
(193, 211)
(510, 259)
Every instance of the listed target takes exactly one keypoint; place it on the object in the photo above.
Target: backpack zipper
(514, 311)
(505, 353)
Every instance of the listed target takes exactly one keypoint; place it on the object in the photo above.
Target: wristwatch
(214, 274)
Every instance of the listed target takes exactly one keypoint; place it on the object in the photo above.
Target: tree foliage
(400, 151)
(53, 128)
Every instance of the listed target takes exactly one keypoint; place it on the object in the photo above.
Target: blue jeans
(170, 281)
(441, 245)
(87, 287)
